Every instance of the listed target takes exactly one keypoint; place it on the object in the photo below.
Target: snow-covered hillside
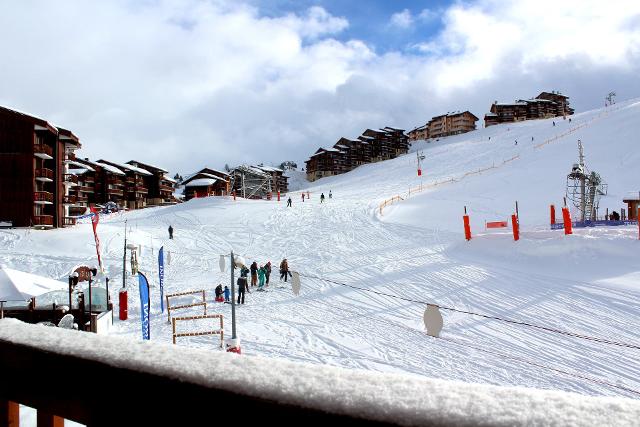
(587, 283)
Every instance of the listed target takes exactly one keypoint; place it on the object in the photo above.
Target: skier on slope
(330, 194)
(261, 277)
(219, 293)
(242, 288)
(284, 270)
(289, 202)
(302, 197)
(267, 271)
(227, 294)
(254, 273)
(322, 198)
(170, 232)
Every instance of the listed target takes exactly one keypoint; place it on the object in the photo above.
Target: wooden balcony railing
(176, 386)
(71, 156)
(44, 173)
(43, 149)
(84, 188)
(114, 180)
(69, 200)
(43, 220)
(115, 191)
(43, 196)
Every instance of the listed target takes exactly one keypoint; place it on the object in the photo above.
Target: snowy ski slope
(588, 283)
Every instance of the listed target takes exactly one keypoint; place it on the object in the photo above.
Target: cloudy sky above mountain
(189, 83)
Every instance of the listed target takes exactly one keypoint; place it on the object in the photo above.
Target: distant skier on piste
(322, 198)
(170, 232)
(330, 194)
(289, 202)
(254, 273)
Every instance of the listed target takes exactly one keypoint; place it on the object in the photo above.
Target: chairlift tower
(585, 188)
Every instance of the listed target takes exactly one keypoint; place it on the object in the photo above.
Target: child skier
(227, 294)
(261, 277)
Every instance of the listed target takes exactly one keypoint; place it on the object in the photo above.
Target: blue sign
(144, 306)
(161, 273)
(598, 223)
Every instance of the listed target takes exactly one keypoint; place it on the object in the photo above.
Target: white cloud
(402, 19)
(188, 83)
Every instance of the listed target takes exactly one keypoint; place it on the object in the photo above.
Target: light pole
(233, 299)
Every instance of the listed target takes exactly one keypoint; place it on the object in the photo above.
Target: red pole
(516, 227)
(278, 196)
(638, 219)
(467, 227)
(419, 172)
(553, 214)
(123, 304)
(566, 217)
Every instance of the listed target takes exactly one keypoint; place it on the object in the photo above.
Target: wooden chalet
(347, 154)
(160, 186)
(207, 182)
(135, 191)
(451, 124)
(544, 106)
(279, 182)
(562, 102)
(33, 188)
(81, 178)
(108, 184)
(419, 133)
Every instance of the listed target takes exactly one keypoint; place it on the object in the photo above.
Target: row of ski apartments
(43, 184)
(387, 143)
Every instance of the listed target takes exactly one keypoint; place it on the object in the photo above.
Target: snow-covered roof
(133, 169)
(340, 146)
(110, 168)
(270, 169)
(166, 178)
(78, 171)
(201, 182)
(80, 165)
(20, 286)
(147, 164)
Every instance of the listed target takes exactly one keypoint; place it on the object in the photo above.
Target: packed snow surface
(586, 284)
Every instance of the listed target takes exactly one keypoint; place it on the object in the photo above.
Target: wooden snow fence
(178, 307)
(199, 333)
(423, 187)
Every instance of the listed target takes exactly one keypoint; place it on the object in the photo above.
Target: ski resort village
(268, 212)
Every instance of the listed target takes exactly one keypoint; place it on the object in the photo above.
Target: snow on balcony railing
(181, 383)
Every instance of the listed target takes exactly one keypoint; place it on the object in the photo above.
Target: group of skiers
(308, 197)
(259, 277)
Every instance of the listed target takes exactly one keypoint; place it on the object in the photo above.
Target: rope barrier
(515, 322)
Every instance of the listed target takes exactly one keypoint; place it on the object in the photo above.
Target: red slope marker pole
(553, 215)
(467, 227)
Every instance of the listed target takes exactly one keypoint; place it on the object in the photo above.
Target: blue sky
(369, 20)
(189, 83)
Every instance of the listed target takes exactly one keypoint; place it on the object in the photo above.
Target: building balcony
(70, 178)
(84, 189)
(68, 221)
(115, 191)
(44, 174)
(69, 200)
(166, 188)
(70, 156)
(43, 197)
(43, 220)
(43, 151)
(114, 180)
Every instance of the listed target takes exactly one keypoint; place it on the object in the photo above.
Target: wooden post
(168, 310)
(49, 420)
(9, 413)
(174, 330)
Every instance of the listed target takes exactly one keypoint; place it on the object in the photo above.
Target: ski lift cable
(486, 316)
(529, 362)
(543, 366)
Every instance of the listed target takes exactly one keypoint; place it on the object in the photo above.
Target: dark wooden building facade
(207, 182)
(544, 106)
(33, 171)
(373, 145)
(160, 186)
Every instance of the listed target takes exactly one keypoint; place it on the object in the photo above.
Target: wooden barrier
(199, 333)
(178, 307)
